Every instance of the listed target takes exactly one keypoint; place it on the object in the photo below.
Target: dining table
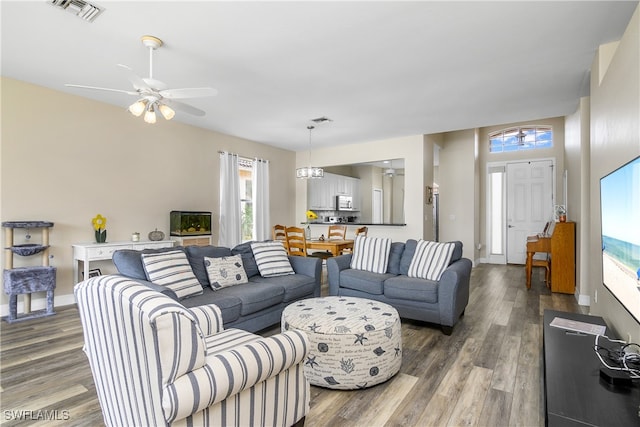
(334, 246)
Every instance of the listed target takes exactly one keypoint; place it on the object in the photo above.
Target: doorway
(376, 206)
(530, 200)
(520, 199)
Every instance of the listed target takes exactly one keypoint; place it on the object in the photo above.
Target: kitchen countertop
(354, 223)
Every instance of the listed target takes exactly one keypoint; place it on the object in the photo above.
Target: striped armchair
(156, 363)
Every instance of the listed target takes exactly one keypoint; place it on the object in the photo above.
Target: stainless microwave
(344, 203)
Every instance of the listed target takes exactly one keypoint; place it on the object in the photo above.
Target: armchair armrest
(309, 266)
(334, 266)
(158, 288)
(231, 371)
(453, 291)
(209, 317)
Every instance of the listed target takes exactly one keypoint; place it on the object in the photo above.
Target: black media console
(575, 395)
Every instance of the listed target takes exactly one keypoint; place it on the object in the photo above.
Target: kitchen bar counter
(353, 223)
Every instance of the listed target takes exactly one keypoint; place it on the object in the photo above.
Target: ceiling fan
(153, 94)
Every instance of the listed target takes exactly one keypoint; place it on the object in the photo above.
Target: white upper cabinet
(322, 192)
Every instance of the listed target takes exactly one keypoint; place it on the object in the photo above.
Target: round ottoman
(355, 342)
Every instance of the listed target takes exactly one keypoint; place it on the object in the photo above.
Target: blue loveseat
(251, 306)
(441, 302)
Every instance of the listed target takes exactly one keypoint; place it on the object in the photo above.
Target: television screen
(620, 210)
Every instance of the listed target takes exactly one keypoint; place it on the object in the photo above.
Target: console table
(574, 393)
(87, 252)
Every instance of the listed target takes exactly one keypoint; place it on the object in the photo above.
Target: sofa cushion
(395, 255)
(271, 258)
(196, 255)
(371, 254)
(430, 259)
(365, 281)
(129, 261)
(248, 260)
(407, 256)
(229, 305)
(172, 269)
(256, 297)
(225, 271)
(295, 286)
(413, 289)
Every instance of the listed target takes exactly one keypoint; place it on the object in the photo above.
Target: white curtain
(230, 221)
(260, 184)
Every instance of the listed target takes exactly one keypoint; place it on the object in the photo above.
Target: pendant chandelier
(309, 171)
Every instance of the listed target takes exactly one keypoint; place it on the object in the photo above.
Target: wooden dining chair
(362, 231)
(278, 233)
(296, 241)
(337, 232)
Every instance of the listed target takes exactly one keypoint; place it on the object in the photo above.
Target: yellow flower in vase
(311, 215)
(99, 225)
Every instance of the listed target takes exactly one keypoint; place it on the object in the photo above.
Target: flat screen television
(620, 214)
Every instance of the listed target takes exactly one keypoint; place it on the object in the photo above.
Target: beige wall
(458, 213)
(65, 158)
(615, 140)
(409, 148)
(577, 165)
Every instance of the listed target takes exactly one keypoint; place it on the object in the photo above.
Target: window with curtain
(245, 174)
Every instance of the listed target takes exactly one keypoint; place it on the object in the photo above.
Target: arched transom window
(521, 138)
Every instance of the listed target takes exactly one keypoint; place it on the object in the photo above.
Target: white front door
(529, 204)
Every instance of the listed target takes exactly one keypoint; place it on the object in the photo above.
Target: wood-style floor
(487, 373)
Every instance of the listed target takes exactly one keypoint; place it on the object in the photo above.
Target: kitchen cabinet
(321, 193)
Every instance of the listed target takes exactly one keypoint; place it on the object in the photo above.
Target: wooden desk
(333, 246)
(562, 247)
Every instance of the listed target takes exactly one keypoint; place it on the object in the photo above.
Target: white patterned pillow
(371, 254)
(430, 259)
(271, 258)
(172, 269)
(225, 271)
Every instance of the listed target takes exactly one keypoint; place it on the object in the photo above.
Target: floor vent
(87, 11)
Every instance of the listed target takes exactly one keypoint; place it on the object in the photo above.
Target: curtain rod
(240, 155)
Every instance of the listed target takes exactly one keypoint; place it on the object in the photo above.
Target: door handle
(510, 226)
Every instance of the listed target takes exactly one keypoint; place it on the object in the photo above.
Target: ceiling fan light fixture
(150, 115)
(138, 107)
(166, 111)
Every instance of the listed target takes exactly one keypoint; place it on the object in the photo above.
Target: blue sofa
(441, 302)
(252, 306)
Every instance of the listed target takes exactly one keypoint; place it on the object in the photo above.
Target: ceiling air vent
(81, 9)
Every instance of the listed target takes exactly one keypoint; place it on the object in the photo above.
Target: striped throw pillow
(271, 258)
(172, 269)
(430, 259)
(371, 254)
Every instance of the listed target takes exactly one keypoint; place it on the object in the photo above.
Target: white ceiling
(377, 69)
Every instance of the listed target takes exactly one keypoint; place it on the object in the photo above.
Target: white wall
(615, 139)
(65, 158)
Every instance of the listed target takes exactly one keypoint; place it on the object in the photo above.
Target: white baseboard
(39, 303)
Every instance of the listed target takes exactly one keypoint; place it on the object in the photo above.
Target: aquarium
(189, 223)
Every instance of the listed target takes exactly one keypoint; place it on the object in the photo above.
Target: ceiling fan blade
(185, 108)
(194, 92)
(137, 81)
(128, 92)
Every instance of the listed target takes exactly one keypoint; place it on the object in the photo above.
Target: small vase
(307, 233)
(101, 236)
